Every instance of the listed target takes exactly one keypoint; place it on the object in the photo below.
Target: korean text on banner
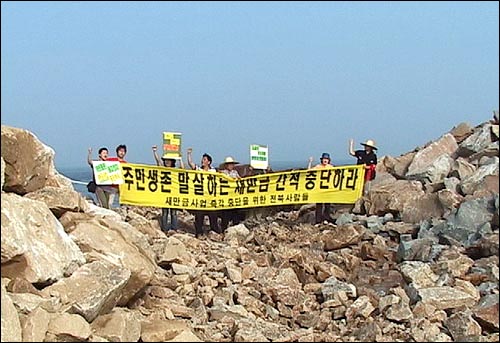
(146, 185)
(107, 172)
(259, 156)
(172, 145)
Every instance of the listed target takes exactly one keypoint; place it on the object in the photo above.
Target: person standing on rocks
(230, 215)
(121, 151)
(322, 209)
(168, 219)
(368, 157)
(103, 195)
(199, 215)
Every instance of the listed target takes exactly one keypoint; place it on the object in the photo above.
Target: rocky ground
(415, 259)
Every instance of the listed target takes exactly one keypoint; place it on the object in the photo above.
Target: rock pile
(416, 259)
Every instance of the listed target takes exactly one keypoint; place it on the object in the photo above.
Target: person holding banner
(167, 213)
(322, 209)
(230, 215)
(121, 151)
(104, 196)
(368, 157)
(199, 215)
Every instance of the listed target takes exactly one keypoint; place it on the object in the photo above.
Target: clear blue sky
(302, 77)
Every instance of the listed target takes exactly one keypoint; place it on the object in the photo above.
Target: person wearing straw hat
(368, 157)
(322, 209)
(230, 215)
(168, 219)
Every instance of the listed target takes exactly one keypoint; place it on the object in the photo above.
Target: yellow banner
(146, 185)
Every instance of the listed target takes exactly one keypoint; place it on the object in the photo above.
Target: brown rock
(34, 242)
(93, 289)
(60, 200)
(342, 236)
(461, 132)
(446, 297)
(36, 325)
(28, 162)
(161, 330)
(11, 326)
(102, 243)
(462, 325)
(67, 327)
(120, 325)
(486, 312)
(423, 207)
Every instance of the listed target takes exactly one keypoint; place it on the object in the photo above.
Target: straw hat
(229, 159)
(371, 143)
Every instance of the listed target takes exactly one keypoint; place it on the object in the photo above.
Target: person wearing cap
(368, 157)
(322, 209)
(168, 219)
(230, 215)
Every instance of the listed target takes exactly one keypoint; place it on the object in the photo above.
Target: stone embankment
(415, 259)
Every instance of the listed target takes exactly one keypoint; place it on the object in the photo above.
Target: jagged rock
(461, 132)
(93, 289)
(461, 168)
(361, 307)
(433, 162)
(433, 173)
(449, 200)
(425, 331)
(28, 162)
(66, 327)
(161, 330)
(115, 245)
(27, 302)
(392, 197)
(249, 335)
(342, 236)
(486, 312)
(476, 142)
(60, 200)
(368, 333)
(120, 325)
(424, 207)
(454, 263)
(399, 312)
(398, 166)
(446, 297)
(415, 250)
(462, 325)
(469, 218)
(173, 250)
(34, 244)
(331, 287)
(418, 273)
(11, 326)
(185, 336)
(238, 233)
(35, 325)
(482, 179)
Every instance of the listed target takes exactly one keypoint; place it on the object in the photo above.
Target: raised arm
(309, 165)
(155, 154)
(351, 147)
(89, 158)
(181, 163)
(190, 158)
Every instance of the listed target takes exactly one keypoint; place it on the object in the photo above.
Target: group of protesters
(106, 194)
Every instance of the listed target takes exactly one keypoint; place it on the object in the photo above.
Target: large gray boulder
(476, 142)
(93, 289)
(434, 160)
(34, 243)
(116, 245)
